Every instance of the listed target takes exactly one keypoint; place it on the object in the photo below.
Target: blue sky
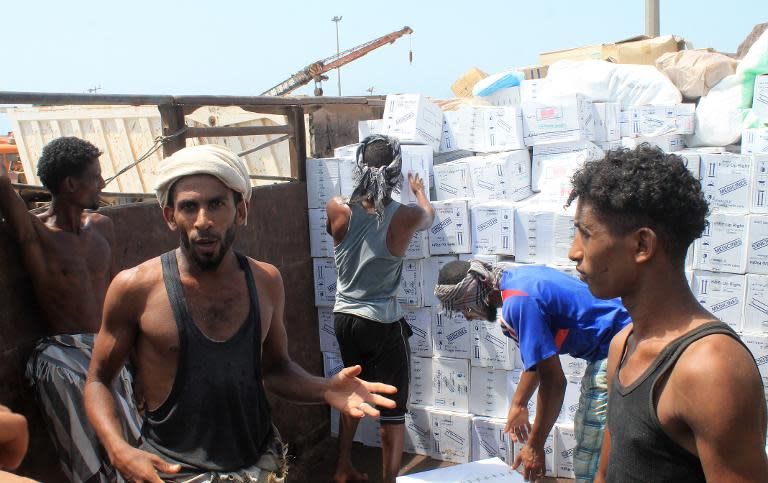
(243, 48)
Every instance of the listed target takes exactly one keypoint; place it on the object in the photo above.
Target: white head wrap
(454, 298)
(377, 184)
(211, 159)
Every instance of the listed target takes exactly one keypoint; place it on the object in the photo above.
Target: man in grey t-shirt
(371, 233)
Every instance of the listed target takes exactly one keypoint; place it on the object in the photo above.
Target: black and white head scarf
(455, 298)
(377, 184)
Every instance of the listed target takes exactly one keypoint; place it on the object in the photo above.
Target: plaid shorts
(589, 421)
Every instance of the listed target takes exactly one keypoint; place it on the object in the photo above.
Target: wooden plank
(172, 120)
(43, 113)
(232, 131)
(10, 97)
(298, 144)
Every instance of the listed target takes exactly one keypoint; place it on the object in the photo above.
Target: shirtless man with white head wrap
(371, 233)
(206, 324)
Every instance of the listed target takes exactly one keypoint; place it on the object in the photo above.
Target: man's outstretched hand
(355, 397)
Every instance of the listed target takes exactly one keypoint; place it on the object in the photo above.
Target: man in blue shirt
(547, 313)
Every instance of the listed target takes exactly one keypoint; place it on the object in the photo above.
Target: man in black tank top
(686, 400)
(206, 326)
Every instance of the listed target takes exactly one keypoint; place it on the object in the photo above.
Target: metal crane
(316, 70)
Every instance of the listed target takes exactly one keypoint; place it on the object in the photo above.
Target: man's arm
(288, 380)
(718, 392)
(14, 438)
(427, 215)
(338, 214)
(107, 228)
(614, 354)
(518, 421)
(552, 385)
(113, 345)
(21, 222)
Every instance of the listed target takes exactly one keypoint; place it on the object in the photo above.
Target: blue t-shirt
(552, 313)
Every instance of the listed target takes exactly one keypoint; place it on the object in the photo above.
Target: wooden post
(297, 143)
(172, 120)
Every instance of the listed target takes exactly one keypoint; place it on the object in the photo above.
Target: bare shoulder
(265, 272)
(717, 361)
(138, 281)
(101, 223)
(337, 205)
(618, 341)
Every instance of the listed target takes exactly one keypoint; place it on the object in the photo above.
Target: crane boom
(316, 70)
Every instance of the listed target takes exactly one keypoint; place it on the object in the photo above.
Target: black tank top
(216, 417)
(640, 449)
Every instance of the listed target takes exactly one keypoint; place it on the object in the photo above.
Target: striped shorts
(57, 370)
(589, 421)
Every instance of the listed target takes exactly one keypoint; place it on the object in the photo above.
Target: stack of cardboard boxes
(497, 202)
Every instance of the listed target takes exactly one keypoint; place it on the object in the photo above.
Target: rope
(159, 141)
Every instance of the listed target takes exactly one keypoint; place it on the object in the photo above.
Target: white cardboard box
(549, 454)
(320, 242)
(418, 248)
(430, 270)
(453, 180)
(369, 128)
(420, 320)
(448, 136)
(692, 160)
(410, 284)
(346, 152)
(325, 281)
(501, 176)
(722, 294)
(570, 400)
(489, 439)
(669, 143)
(543, 233)
(725, 181)
(759, 204)
(513, 380)
(490, 347)
(565, 444)
(488, 129)
(451, 436)
(508, 96)
(450, 231)
(756, 305)
(488, 392)
(757, 249)
(651, 121)
(450, 384)
(606, 115)
(758, 345)
(493, 228)
(328, 342)
(760, 98)
(442, 158)
(573, 366)
(723, 245)
(417, 160)
(754, 141)
(553, 165)
(451, 336)
(420, 388)
(491, 470)
(332, 364)
(531, 89)
(557, 120)
(322, 181)
(413, 118)
(418, 431)
(346, 181)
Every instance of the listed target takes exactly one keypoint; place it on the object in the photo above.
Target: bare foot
(348, 473)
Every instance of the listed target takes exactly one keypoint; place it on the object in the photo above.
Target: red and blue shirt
(548, 312)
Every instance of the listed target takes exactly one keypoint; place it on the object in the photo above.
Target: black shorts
(384, 354)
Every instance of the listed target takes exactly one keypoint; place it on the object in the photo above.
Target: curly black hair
(453, 272)
(645, 186)
(378, 154)
(62, 157)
